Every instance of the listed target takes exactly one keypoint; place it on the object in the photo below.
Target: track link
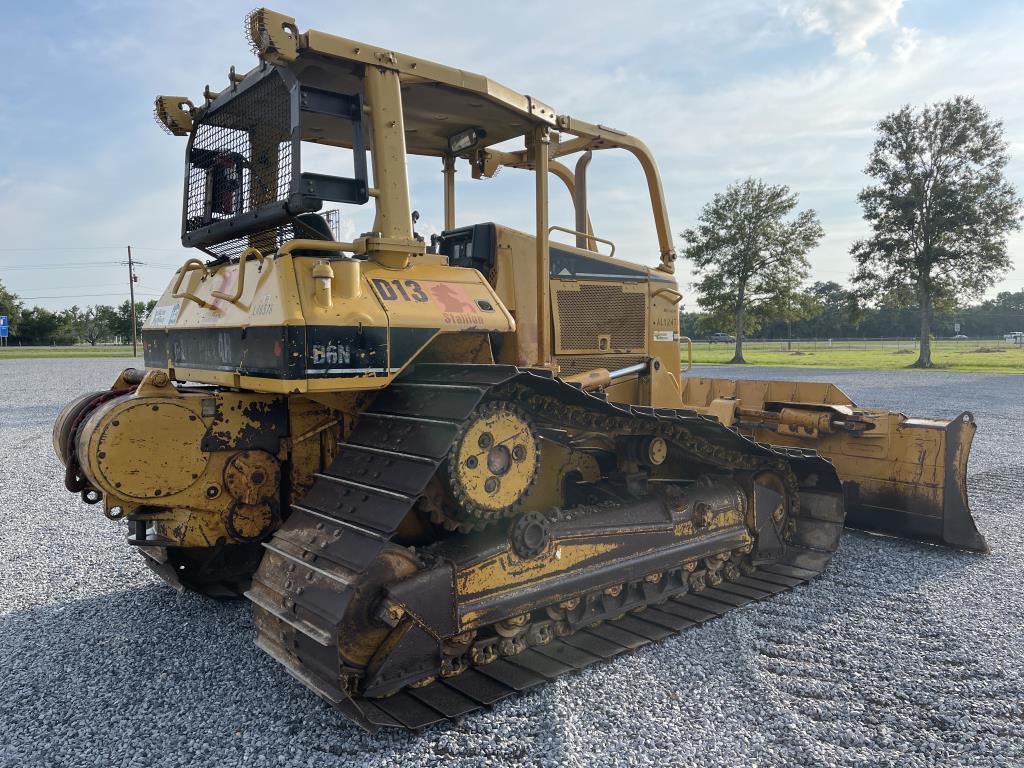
(307, 578)
(218, 573)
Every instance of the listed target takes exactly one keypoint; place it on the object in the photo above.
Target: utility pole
(131, 292)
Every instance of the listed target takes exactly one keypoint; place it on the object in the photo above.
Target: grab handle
(189, 266)
(677, 294)
(248, 253)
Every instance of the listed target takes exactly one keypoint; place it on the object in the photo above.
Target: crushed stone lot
(902, 654)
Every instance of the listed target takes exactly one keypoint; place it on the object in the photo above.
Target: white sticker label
(665, 336)
(264, 306)
(165, 315)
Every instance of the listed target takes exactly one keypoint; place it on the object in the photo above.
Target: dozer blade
(922, 496)
(902, 476)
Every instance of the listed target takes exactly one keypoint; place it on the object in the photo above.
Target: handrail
(246, 255)
(190, 265)
(321, 245)
(568, 231)
(689, 353)
(677, 294)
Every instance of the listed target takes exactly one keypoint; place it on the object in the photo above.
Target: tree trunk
(924, 358)
(741, 312)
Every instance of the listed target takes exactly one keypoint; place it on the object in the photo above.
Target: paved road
(903, 654)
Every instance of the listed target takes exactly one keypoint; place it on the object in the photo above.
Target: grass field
(880, 356)
(8, 353)
(964, 356)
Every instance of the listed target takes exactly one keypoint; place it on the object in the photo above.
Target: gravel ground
(902, 654)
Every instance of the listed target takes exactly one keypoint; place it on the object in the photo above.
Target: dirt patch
(798, 353)
(987, 350)
(905, 352)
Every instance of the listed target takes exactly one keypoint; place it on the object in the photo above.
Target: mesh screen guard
(243, 183)
(241, 161)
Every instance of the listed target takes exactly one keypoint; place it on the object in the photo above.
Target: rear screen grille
(241, 160)
(601, 310)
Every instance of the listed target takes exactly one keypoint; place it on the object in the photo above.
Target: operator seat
(312, 226)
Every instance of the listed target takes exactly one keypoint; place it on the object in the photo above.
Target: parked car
(723, 337)
(960, 336)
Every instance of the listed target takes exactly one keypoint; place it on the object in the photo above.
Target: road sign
(956, 327)
(3, 326)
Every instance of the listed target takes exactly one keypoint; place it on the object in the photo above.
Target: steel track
(306, 580)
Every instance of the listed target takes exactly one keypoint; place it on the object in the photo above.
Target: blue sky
(788, 91)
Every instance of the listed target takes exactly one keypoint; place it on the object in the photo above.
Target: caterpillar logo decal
(457, 307)
(452, 297)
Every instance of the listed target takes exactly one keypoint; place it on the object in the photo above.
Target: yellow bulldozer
(446, 472)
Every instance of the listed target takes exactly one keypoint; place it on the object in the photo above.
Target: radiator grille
(601, 310)
(240, 160)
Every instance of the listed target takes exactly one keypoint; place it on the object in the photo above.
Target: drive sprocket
(494, 462)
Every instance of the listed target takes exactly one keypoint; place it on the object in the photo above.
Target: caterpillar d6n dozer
(443, 474)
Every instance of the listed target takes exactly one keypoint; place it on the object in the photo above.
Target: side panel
(606, 313)
(278, 338)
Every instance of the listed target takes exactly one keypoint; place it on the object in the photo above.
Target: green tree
(749, 255)
(110, 320)
(123, 325)
(1010, 302)
(40, 326)
(837, 311)
(92, 326)
(940, 211)
(10, 305)
(88, 325)
(70, 321)
(993, 317)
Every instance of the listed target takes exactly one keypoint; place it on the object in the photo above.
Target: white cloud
(850, 23)
(720, 91)
(812, 128)
(906, 43)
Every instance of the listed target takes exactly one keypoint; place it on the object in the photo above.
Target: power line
(89, 248)
(91, 285)
(65, 264)
(83, 295)
(79, 264)
(66, 248)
